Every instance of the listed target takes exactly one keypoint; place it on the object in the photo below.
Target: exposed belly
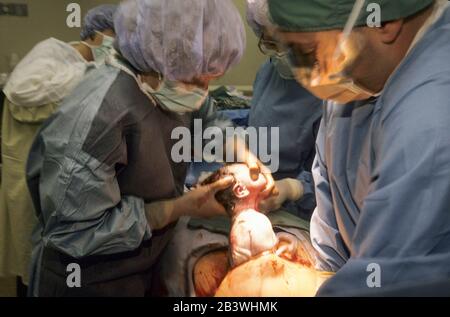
(269, 276)
(262, 264)
(209, 273)
(290, 274)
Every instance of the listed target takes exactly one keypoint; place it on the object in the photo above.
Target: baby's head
(244, 191)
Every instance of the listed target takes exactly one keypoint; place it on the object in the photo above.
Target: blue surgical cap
(258, 16)
(181, 40)
(98, 19)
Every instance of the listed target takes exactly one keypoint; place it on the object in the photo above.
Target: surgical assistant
(35, 89)
(279, 101)
(106, 188)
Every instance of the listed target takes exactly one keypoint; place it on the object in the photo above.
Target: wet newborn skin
(251, 231)
(251, 235)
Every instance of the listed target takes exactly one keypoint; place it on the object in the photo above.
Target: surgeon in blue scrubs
(382, 171)
(279, 101)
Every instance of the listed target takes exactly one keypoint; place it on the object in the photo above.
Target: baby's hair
(224, 197)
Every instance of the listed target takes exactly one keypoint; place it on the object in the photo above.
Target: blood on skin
(269, 276)
(213, 270)
(209, 272)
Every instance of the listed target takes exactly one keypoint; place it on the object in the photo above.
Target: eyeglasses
(270, 48)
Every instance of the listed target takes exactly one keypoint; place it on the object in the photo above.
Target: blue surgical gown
(382, 175)
(283, 103)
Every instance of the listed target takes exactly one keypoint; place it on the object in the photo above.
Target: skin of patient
(269, 276)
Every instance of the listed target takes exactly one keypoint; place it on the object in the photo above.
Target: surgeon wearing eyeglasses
(279, 101)
(382, 170)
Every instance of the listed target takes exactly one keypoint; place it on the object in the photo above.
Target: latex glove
(289, 189)
(256, 167)
(198, 203)
(287, 243)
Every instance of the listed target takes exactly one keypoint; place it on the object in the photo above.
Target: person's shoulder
(266, 70)
(424, 98)
(420, 86)
(51, 41)
(46, 74)
(267, 65)
(125, 97)
(56, 49)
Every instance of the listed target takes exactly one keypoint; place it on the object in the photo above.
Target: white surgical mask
(172, 96)
(178, 97)
(101, 51)
(283, 67)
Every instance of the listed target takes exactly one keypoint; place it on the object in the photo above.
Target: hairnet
(258, 16)
(98, 19)
(182, 40)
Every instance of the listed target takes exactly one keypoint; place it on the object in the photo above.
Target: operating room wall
(47, 18)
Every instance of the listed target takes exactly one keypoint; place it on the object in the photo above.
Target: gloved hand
(199, 203)
(257, 167)
(241, 153)
(289, 189)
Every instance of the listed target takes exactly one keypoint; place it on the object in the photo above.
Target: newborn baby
(251, 235)
(251, 231)
(260, 262)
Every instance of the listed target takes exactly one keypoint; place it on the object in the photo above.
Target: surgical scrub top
(97, 161)
(283, 103)
(382, 175)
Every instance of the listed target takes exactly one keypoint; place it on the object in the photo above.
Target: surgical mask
(334, 85)
(177, 97)
(103, 50)
(283, 67)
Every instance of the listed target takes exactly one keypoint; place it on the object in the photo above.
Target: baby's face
(242, 175)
